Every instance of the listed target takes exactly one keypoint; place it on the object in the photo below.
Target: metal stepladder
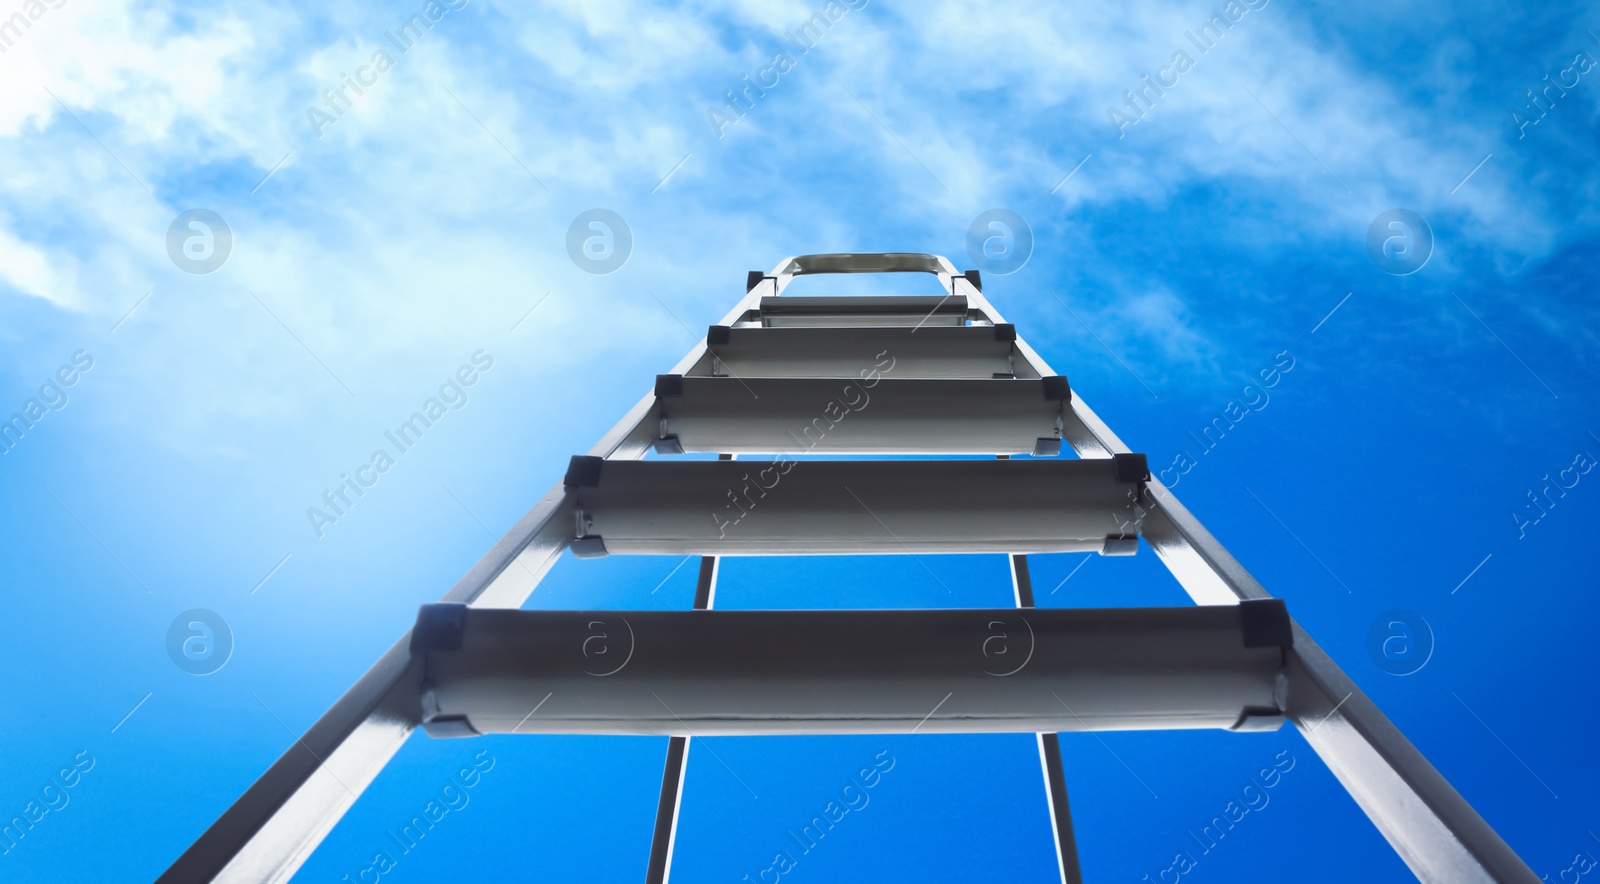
(784, 375)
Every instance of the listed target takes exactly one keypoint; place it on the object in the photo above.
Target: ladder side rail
(270, 830)
(1435, 831)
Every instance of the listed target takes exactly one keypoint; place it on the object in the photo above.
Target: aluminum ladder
(902, 375)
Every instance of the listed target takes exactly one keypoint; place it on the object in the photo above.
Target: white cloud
(32, 272)
(410, 226)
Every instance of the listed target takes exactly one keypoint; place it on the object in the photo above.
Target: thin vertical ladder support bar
(1055, 779)
(1436, 832)
(672, 776)
(270, 830)
(1055, 786)
(1021, 581)
(705, 590)
(666, 831)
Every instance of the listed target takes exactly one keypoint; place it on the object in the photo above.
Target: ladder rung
(907, 310)
(705, 673)
(738, 415)
(791, 507)
(972, 351)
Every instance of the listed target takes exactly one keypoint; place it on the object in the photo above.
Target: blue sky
(1226, 226)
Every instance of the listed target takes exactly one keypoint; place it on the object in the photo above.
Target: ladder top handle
(864, 262)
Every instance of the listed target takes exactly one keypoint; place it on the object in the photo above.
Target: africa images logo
(603, 654)
(452, 396)
(1004, 650)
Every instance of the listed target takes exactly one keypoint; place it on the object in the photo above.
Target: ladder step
(712, 673)
(791, 507)
(737, 415)
(971, 351)
(906, 310)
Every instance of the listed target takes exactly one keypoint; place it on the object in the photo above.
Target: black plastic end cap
(583, 471)
(448, 727)
(669, 385)
(753, 279)
(1005, 331)
(590, 548)
(975, 278)
(438, 628)
(1256, 719)
(717, 334)
(1265, 623)
(1055, 387)
(1120, 545)
(1131, 467)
